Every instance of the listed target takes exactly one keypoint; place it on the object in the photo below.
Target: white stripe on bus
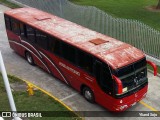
(54, 66)
(31, 52)
(30, 46)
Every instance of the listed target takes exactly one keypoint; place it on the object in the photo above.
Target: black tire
(88, 94)
(29, 58)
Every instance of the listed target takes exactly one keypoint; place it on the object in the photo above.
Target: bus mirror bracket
(119, 84)
(154, 66)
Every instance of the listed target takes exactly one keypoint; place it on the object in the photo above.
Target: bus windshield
(133, 75)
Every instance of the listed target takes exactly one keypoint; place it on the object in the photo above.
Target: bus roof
(116, 53)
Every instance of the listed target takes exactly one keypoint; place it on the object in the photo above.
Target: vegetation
(9, 4)
(129, 9)
(158, 5)
(38, 102)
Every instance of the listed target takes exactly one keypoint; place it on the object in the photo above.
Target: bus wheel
(88, 95)
(29, 58)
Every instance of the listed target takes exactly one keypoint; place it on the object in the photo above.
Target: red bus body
(114, 53)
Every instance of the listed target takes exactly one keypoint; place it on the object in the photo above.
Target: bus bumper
(129, 101)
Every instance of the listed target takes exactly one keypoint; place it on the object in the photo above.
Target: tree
(158, 5)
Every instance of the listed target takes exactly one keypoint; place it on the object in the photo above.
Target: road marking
(68, 96)
(60, 100)
(149, 107)
(49, 94)
(55, 98)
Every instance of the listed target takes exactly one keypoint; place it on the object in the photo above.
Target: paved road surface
(18, 66)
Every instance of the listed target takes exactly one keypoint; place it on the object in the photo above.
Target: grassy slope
(130, 9)
(24, 102)
(9, 4)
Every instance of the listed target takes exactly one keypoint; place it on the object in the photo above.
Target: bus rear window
(125, 70)
(140, 64)
(131, 68)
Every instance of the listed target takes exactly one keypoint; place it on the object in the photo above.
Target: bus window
(133, 75)
(57, 48)
(23, 30)
(64, 48)
(125, 70)
(140, 64)
(68, 52)
(15, 26)
(8, 23)
(107, 78)
(51, 44)
(85, 61)
(71, 54)
(103, 76)
(30, 33)
(54, 45)
(41, 39)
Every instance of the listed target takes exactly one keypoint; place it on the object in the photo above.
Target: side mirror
(119, 84)
(154, 66)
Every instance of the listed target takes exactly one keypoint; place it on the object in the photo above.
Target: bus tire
(29, 58)
(88, 94)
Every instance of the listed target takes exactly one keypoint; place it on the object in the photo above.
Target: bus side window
(51, 44)
(103, 76)
(30, 34)
(64, 50)
(15, 26)
(57, 48)
(85, 61)
(23, 30)
(68, 52)
(71, 54)
(107, 78)
(41, 39)
(7, 23)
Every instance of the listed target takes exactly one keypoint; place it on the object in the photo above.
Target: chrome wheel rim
(29, 58)
(88, 95)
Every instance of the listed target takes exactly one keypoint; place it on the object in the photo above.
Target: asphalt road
(18, 66)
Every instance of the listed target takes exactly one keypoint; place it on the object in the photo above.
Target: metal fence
(130, 31)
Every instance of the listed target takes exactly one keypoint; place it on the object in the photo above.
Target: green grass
(9, 4)
(130, 9)
(38, 102)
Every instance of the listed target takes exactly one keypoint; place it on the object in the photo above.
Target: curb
(49, 94)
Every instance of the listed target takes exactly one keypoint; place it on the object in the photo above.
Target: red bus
(103, 69)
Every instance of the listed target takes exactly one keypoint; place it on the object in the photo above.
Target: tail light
(119, 84)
